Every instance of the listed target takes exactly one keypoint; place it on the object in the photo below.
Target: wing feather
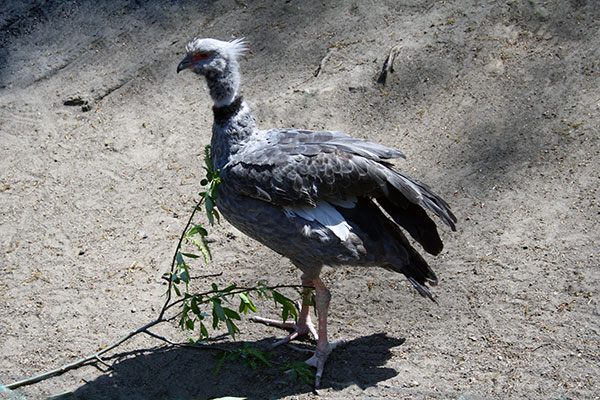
(297, 168)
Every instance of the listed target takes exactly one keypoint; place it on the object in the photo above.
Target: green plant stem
(174, 261)
(237, 291)
(213, 178)
(143, 329)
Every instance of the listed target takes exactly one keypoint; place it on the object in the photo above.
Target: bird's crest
(237, 47)
(234, 48)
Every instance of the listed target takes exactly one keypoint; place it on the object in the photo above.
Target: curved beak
(186, 63)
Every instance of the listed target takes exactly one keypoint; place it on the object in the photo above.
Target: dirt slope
(496, 105)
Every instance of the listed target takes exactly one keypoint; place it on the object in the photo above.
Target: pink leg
(302, 327)
(322, 297)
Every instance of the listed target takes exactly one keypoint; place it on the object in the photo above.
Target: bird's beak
(186, 63)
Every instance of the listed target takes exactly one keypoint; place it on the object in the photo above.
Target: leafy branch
(190, 315)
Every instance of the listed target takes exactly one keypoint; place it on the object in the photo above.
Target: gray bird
(315, 197)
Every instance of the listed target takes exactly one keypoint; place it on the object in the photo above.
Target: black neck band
(224, 113)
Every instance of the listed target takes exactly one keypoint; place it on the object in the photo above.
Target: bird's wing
(297, 167)
(292, 167)
(303, 170)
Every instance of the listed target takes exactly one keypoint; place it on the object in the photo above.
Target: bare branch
(81, 361)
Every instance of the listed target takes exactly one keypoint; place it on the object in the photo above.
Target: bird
(320, 198)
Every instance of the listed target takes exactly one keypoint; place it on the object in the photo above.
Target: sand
(496, 105)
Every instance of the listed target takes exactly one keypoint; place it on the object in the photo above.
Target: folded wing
(298, 168)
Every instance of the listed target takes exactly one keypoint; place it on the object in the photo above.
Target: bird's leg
(322, 297)
(304, 324)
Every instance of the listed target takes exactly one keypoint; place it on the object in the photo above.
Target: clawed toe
(300, 328)
(305, 326)
(319, 358)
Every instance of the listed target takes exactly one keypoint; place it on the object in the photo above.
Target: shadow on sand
(184, 373)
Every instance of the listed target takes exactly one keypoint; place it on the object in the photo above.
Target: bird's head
(211, 56)
(217, 61)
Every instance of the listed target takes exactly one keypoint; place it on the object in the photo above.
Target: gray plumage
(316, 197)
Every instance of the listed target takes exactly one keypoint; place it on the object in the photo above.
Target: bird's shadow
(184, 373)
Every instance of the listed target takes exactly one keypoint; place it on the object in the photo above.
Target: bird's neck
(224, 85)
(233, 125)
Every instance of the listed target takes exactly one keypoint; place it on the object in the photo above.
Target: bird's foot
(300, 328)
(319, 357)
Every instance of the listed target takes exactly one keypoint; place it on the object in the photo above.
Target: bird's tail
(389, 245)
(420, 194)
(416, 269)
(406, 200)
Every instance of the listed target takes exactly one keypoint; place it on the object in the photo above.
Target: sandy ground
(495, 103)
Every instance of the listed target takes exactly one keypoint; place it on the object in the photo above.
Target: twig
(164, 339)
(187, 225)
(207, 276)
(81, 361)
(167, 304)
(101, 361)
(540, 346)
(187, 345)
(143, 329)
(388, 66)
(322, 65)
(238, 290)
(200, 276)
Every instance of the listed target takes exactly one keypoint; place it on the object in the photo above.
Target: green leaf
(217, 216)
(222, 355)
(245, 303)
(176, 289)
(284, 314)
(229, 288)
(210, 205)
(278, 297)
(190, 255)
(309, 298)
(203, 330)
(185, 276)
(262, 356)
(231, 314)
(197, 229)
(231, 328)
(299, 370)
(215, 322)
(179, 259)
(230, 398)
(203, 247)
(244, 297)
(287, 305)
(189, 324)
(219, 310)
(194, 306)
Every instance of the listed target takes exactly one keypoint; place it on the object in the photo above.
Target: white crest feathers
(237, 47)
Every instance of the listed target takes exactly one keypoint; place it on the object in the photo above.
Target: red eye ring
(201, 56)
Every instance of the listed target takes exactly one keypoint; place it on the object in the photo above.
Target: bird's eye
(201, 56)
